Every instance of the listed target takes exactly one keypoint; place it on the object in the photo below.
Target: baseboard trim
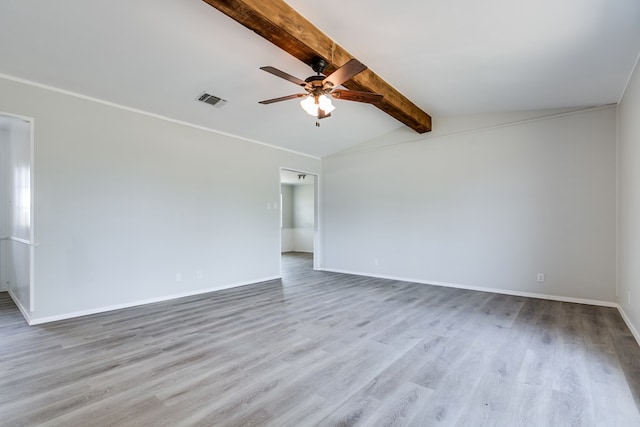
(630, 325)
(65, 316)
(24, 311)
(480, 289)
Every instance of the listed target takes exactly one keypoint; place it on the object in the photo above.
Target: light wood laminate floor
(324, 349)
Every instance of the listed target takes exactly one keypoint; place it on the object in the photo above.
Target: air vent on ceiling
(212, 100)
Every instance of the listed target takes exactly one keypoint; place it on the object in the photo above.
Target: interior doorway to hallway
(299, 213)
(16, 210)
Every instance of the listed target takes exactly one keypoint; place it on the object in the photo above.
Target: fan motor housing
(314, 79)
(319, 65)
(315, 85)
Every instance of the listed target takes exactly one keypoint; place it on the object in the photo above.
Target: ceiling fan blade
(345, 72)
(283, 98)
(354, 95)
(284, 75)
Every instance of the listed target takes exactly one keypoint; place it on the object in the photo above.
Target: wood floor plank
(351, 412)
(326, 349)
(453, 392)
(407, 368)
(399, 408)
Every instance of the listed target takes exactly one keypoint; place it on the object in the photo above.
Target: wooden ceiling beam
(280, 24)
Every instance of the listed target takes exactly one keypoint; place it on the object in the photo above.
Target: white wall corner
(630, 325)
(25, 313)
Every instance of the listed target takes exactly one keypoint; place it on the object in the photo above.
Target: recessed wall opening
(298, 214)
(16, 210)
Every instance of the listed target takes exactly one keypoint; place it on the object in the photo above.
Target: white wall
(286, 241)
(303, 217)
(125, 201)
(488, 208)
(20, 145)
(21, 227)
(629, 202)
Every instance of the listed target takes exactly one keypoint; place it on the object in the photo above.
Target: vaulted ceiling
(448, 57)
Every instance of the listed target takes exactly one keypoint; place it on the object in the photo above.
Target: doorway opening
(16, 210)
(299, 217)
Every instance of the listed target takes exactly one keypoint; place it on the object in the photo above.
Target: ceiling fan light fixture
(311, 104)
(325, 104)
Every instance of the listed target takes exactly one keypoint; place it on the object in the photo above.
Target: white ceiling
(450, 57)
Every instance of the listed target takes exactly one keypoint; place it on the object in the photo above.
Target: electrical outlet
(200, 274)
(375, 261)
(178, 277)
(540, 277)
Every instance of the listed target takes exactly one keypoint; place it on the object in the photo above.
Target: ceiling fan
(319, 88)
